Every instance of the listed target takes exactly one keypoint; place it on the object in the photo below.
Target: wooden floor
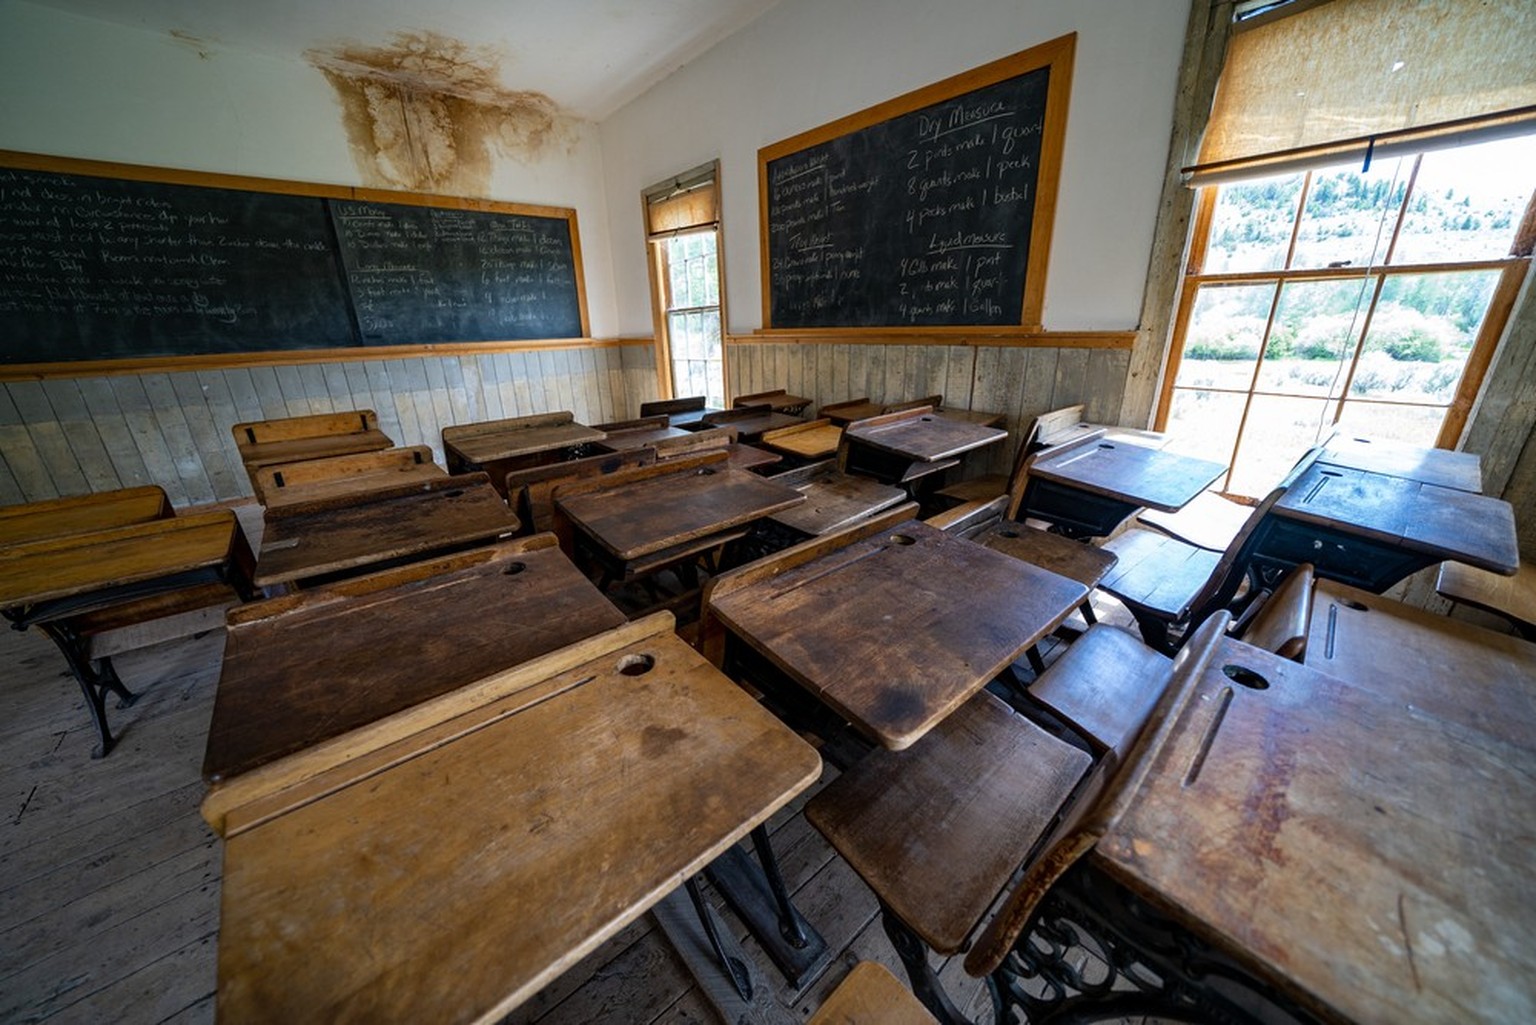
(109, 879)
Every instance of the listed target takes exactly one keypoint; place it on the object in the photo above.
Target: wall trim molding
(1012, 338)
(292, 357)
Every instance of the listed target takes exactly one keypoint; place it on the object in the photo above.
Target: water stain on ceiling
(425, 112)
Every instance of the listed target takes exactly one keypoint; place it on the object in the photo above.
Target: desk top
(1442, 522)
(751, 422)
(845, 413)
(1370, 850)
(923, 435)
(834, 500)
(649, 516)
(745, 457)
(480, 443)
(79, 514)
(310, 539)
(78, 564)
(302, 669)
(624, 441)
(1131, 473)
(490, 851)
(815, 439)
(975, 416)
(895, 632)
(1377, 643)
(1460, 470)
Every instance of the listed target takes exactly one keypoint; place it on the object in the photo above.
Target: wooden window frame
(661, 283)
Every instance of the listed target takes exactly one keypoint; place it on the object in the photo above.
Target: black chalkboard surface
(425, 274)
(103, 267)
(94, 268)
(930, 210)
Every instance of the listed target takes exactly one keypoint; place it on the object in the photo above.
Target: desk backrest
(529, 490)
(736, 414)
(57, 517)
(1107, 792)
(1031, 452)
(1232, 568)
(655, 422)
(388, 493)
(711, 637)
(710, 439)
(931, 401)
(458, 432)
(666, 407)
(316, 425)
(1057, 425)
(268, 479)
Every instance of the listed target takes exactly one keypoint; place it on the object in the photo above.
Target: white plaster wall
(807, 62)
(79, 87)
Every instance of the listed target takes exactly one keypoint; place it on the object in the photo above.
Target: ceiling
(589, 56)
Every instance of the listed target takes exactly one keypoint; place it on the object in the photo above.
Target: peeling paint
(425, 112)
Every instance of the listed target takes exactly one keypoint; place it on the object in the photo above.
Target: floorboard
(109, 879)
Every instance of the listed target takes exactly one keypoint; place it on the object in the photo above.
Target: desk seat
(871, 995)
(936, 860)
(1514, 597)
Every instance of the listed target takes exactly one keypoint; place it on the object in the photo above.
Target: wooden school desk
(900, 448)
(844, 413)
(307, 540)
(663, 511)
(447, 863)
(305, 668)
(342, 476)
(833, 499)
(626, 441)
(1371, 530)
(1462, 471)
(751, 422)
(778, 400)
(297, 438)
(1361, 844)
(504, 445)
(1087, 489)
(807, 442)
(80, 514)
(1479, 674)
(79, 586)
(895, 631)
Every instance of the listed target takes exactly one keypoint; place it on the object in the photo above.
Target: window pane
(1279, 431)
(1203, 424)
(1313, 338)
(1251, 229)
(1415, 425)
(1222, 342)
(1421, 335)
(1467, 202)
(1348, 219)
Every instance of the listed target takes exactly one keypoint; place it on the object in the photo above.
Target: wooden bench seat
(871, 995)
(1514, 597)
(1104, 687)
(1209, 521)
(168, 616)
(938, 830)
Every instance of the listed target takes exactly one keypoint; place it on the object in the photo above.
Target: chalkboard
(424, 274)
(931, 210)
(98, 266)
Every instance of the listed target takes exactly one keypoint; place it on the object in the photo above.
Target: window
(1368, 298)
(682, 225)
(1363, 224)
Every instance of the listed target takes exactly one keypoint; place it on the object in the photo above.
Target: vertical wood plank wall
(1017, 382)
(70, 436)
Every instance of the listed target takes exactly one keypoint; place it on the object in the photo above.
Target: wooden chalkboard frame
(23, 161)
(1057, 55)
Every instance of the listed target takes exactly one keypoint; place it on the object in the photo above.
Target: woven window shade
(1352, 79)
(685, 203)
